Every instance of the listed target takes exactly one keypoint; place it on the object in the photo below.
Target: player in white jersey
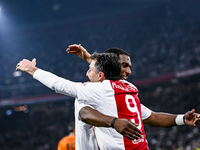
(93, 94)
(149, 117)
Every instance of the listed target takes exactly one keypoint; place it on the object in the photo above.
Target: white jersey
(104, 97)
(85, 137)
(84, 134)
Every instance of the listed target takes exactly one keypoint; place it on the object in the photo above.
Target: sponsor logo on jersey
(136, 141)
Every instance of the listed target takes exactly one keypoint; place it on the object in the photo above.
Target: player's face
(91, 74)
(125, 66)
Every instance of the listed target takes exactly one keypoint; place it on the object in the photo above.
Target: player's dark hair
(117, 51)
(71, 127)
(108, 63)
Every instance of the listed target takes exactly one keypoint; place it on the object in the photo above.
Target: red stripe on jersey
(128, 107)
(95, 137)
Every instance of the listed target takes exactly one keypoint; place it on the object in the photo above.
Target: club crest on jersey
(84, 84)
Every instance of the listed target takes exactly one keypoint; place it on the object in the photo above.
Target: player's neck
(71, 133)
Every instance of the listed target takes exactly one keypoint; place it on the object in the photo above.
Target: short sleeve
(146, 112)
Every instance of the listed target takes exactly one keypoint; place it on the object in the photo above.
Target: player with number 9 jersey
(118, 99)
(114, 98)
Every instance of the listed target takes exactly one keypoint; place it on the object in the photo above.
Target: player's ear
(101, 76)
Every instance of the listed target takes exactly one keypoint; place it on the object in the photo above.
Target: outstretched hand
(27, 66)
(80, 51)
(191, 118)
(127, 129)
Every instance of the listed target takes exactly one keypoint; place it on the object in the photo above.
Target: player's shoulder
(92, 86)
(92, 83)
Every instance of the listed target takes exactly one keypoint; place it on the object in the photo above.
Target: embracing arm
(80, 51)
(122, 126)
(159, 119)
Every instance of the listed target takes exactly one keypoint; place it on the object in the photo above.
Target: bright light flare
(0, 11)
(1, 15)
(17, 73)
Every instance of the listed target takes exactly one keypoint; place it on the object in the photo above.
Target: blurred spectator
(68, 142)
(162, 41)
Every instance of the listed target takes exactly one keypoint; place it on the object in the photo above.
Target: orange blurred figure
(68, 142)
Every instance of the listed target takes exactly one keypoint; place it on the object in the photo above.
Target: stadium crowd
(160, 42)
(40, 128)
(176, 99)
(46, 123)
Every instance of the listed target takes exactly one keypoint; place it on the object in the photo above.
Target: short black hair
(117, 51)
(71, 127)
(108, 63)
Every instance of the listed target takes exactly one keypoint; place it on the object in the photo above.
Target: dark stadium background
(162, 37)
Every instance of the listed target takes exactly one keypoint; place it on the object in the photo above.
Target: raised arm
(122, 126)
(80, 51)
(52, 81)
(159, 119)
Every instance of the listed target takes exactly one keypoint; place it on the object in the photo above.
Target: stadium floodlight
(6, 24)
(1, 14)
(0, 11)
